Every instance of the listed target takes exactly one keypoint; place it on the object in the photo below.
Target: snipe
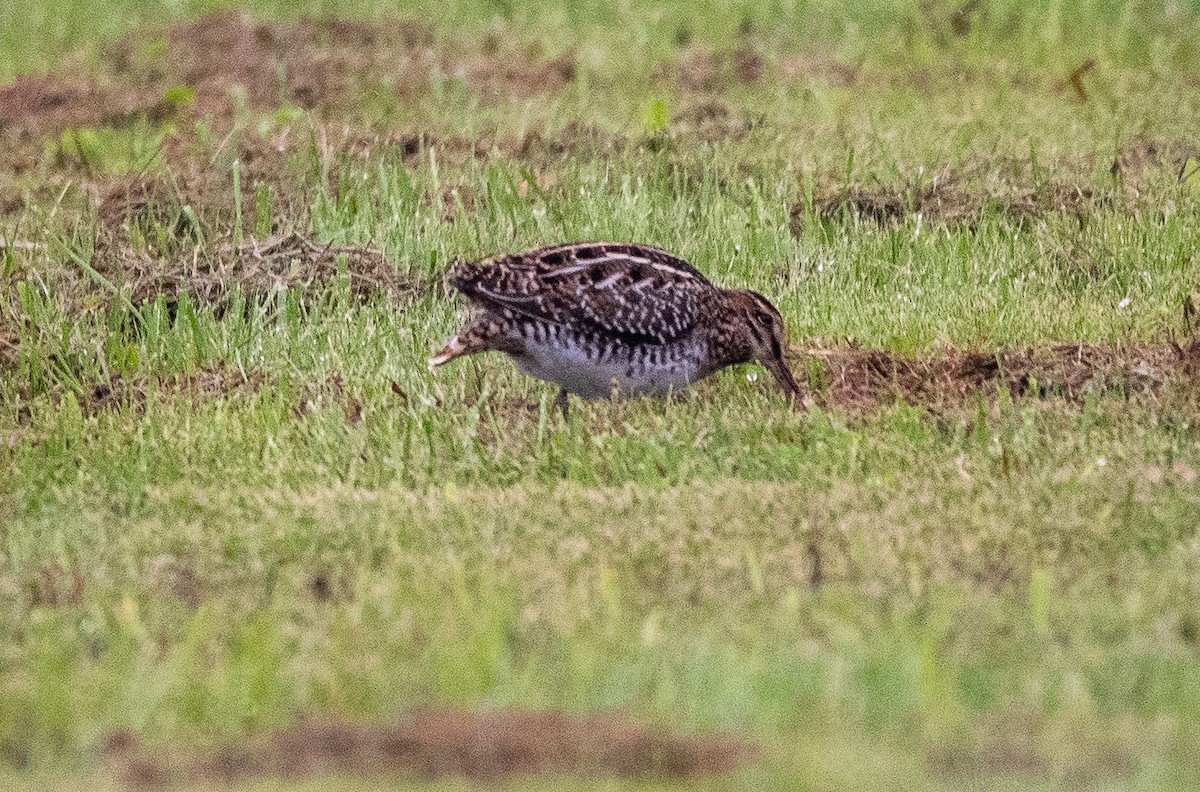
(597, 318)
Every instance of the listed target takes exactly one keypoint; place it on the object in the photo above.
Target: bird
(605, 318)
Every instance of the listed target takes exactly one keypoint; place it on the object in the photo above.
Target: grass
(997, 596)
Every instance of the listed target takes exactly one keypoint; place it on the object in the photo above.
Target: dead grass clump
(445, 742)
(259, 268)
(862, 379)
(203, 385)
(132, 199)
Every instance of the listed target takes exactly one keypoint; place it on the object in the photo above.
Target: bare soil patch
(315, 64)
(213, 79)
(433, 743)
(212, 66)
(224, 62)
(505, 70)
(1014, 744)
(39, 106)
(817, 68)
(860, 379)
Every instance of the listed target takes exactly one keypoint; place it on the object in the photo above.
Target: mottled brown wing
(639, 293)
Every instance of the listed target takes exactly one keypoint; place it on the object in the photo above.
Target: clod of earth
(434, 743)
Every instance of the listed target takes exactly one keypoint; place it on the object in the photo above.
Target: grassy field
(233, 499)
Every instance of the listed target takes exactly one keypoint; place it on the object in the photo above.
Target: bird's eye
(765, 318)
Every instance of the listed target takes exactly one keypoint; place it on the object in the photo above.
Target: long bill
(783, 376)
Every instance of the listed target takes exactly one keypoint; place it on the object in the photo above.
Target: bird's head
(760, 336)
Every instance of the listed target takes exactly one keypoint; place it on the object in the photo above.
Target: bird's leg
(560, 401)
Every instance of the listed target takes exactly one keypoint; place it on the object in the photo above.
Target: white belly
(567, 364)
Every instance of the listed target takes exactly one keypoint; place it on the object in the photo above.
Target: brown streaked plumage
(597, 318)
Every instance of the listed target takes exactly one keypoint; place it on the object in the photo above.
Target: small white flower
(752, 376)
(1101, 462)
(1124, 303)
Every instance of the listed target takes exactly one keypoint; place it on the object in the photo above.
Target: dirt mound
(862, 379)
(258, 268)
(434, 743)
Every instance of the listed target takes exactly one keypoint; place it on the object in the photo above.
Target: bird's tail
(454, 348)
